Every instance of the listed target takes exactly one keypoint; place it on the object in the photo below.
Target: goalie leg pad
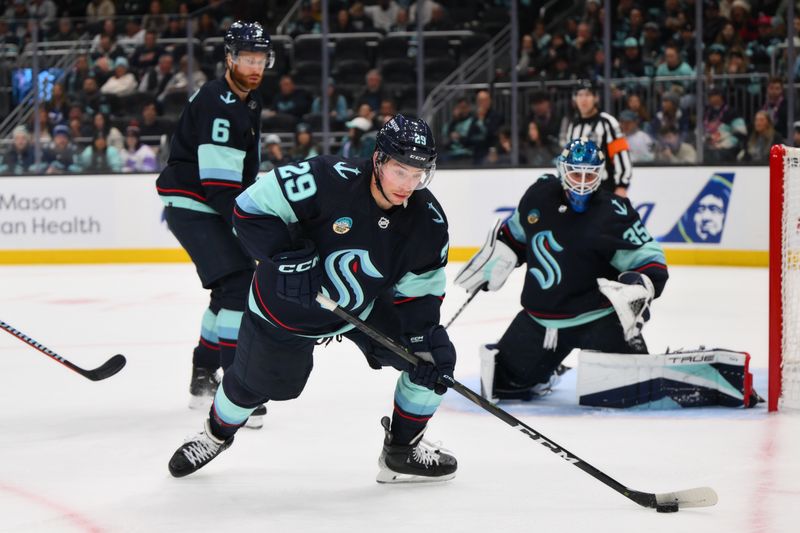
(665, 381)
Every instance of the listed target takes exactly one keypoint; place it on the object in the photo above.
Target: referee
(604, 130)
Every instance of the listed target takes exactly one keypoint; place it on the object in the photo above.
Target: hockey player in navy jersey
(592, 271)
(214, 155)
(368, 234)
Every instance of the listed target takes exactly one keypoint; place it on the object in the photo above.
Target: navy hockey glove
(299, 274)
(438, 355)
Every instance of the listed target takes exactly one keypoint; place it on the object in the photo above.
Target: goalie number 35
(637, 234)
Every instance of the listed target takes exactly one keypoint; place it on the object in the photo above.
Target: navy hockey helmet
(409, 141)
(250, 37)
(586, 85)
(580, 166)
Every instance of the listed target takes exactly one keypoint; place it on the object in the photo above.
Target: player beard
(244, 82)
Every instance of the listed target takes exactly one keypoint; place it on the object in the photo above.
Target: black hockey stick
(464, 305)
(106, 370)
(662, 502)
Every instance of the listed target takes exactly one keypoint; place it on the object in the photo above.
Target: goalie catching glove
(490, 267)
(631, 297)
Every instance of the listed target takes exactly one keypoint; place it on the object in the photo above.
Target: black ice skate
(417, 462)
(202, 388)
(256, 420)
(196, 452)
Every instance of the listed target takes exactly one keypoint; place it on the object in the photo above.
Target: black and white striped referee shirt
(604, 130)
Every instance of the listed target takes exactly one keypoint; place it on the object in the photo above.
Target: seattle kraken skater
(575, 239)
(370, 236)
(214, 154)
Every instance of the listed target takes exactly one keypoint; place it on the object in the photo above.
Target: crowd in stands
(116, 106)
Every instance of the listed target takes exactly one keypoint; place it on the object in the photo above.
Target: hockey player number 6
(220, 130)
(298, 183)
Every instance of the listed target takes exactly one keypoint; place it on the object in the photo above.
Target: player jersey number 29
(220, 130)
(298, 182)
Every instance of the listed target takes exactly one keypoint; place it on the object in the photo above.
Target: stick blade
(107, 369)
(697, 497)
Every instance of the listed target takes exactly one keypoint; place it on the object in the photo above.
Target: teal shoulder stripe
(265, 197)
(214, 156)
(187, 203)
(413, 285)
(516, 228)
(579, 320)
(650, 252)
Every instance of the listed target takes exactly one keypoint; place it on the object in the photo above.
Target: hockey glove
(491, 266)
(631, 298)
(299, 274)
(438, 355)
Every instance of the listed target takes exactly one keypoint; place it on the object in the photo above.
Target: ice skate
(256, 420)
(197, 451)
(416, 462)
(202, 387)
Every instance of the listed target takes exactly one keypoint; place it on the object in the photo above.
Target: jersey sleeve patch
(265, 197)
(650, 252)
(416, 285)
(220, 163)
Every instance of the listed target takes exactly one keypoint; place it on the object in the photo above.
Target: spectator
(359, 19)
(106, 47)
(713, 21)
(761, 140)
(64, 31)
(60, 157)
(715, 65)
(44, 127)
(58, 105)
(123, 82)
(500, 153)
(439, 20)
(630, 64)
(527, 57)
(671, 149)
(483, 131)
(670, 116)
(640, 145)
(583, 49)
(19, 158)
(148, 54)
(342, 22)
(113, 135)
(685, 39)
(426, 13)
(542, 113)
(775, 105)
(109, 28)
(728, 37)
(304, 147)
(79, 130)
(207, 27)
(674, 65)
(134, 35)
(291, 100)
(387, 110)
(723, 128)
(383, 14)
(337, 104)
(91, 99)
(179, 83)
(740, 18)
(540, 36)
(305, 22)
(374, 92)
(103, 69)
(365, 111)
(274, 153)
(650, 45)
(634, 103)
(358, 143)
(456, 145)
(155, 20)
(401, 22)
(136, 156)
(155, 79)
(99, 157)
(97, 10)
(538, 150)
(150, 128)
(761, 49)
(176, 29)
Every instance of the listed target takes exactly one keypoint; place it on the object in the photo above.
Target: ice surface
(82, 456)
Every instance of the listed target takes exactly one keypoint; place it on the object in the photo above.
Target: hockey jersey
(566, 252)
(366, 252)
(214, 152)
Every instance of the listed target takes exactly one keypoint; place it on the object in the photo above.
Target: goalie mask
(408, 141)
(580, 167)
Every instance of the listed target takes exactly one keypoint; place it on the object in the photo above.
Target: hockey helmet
(409, 141)
(580, 166)
(251, 37)
(586, 85)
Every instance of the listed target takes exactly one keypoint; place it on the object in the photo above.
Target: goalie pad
(631, 302)
(492, 265)
(665, 381)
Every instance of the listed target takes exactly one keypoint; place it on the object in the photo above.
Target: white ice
(82, 456)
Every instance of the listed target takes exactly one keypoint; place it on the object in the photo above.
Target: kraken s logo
(542, 244)
(341, 267)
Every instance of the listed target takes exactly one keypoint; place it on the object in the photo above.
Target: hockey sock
(227, 326)
(206, 354)
(414, 405)
(225, 417)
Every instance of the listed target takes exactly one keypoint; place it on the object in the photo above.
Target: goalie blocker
(665, 381)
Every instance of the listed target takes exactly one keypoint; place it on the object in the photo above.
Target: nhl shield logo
(342, 225)
(383, 223)
(533, 216)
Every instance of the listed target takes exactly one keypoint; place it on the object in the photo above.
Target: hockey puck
(671, 507)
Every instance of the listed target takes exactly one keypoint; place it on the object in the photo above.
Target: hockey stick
(106, 370)
(662, 502)
(464, 305)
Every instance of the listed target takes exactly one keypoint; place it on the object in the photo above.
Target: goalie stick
(106, 370)
(464, 305)
(662, 502)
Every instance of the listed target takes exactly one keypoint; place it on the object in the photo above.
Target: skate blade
(387, 476)
(254, 422)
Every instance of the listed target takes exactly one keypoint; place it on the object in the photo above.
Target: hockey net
(784, 279)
